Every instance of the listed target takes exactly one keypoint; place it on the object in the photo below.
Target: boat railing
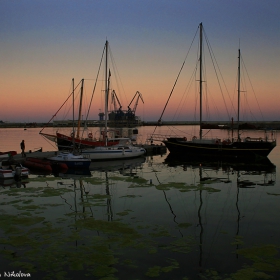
(160, 137)
(258, 139)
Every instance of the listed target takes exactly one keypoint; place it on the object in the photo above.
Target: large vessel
(231, 147)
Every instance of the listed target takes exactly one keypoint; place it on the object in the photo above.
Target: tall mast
(238, 105)
(80, 109)
(106, 92)
(73, 100)
(200, 83)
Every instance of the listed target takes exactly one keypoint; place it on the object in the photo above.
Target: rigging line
(221, 221)
(243, 63)
(208, 96)
(212, 52)
(205, 95)
(176, 115)
(118, 78)
(93, 91)
(87, 199)
(67, 110)
(59, 108)
(216, 66)
(50, 142)
(175, 82)
(250, 113)
(256, 205)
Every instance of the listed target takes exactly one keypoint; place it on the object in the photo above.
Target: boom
(136, 102)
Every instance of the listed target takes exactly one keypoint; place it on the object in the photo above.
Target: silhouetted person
(22, 146)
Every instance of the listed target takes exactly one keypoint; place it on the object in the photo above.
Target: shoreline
(261, 125)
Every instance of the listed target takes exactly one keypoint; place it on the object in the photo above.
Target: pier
(153, 149)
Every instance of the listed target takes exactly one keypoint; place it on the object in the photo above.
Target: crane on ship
(131, 112)
(116, 100)
(118, 112)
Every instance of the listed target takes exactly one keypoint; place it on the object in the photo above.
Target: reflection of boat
(117, 165)
(243, 177)
(7, 182)
(71, 160)
(74, 173)
(249, 173)
(263, 164)
(234, 147)
(11, 182)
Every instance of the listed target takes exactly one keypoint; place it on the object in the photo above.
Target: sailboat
(119, 151)
(72, 159)
(235, 147)
(75, 140)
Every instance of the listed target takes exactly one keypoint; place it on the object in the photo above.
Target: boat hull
(182, 148)
(4, 155)
(113, 153)
(65, 142)
(71, 160)
(38, 164)
(43, 165)
(17, 172)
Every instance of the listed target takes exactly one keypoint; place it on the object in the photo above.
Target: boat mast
(200, 82)
(238, 105)
(73, 100)
(107, 79)
(80, 109)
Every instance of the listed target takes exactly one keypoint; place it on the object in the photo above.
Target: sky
(46, 43)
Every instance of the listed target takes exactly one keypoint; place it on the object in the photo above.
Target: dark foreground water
(147, 218)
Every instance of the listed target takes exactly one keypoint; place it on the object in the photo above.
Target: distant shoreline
(208, 125)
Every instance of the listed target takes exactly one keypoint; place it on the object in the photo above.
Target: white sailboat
(120, 151)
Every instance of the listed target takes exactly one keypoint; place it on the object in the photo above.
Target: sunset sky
(46, 43)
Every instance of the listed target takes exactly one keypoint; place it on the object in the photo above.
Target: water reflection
(12, 183)
(74, 173)
(243, 174)
(117, 165)
(183, 218)
(82, 182)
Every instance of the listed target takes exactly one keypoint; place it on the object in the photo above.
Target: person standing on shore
(22, 146)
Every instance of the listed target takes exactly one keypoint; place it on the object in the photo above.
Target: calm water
(145, 218)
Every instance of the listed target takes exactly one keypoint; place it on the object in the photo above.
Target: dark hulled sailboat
(234, 148)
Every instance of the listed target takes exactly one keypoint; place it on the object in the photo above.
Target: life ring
(90, 135)
(185, 138)
(194, 137)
